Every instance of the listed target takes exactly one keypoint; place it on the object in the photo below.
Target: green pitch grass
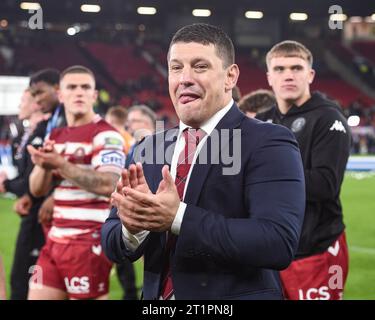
(9, 224)
(359, 211)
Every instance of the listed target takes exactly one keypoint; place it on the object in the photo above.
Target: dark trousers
(126, 276)
(30, 240)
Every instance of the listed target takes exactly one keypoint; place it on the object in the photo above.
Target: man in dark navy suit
(216, 205)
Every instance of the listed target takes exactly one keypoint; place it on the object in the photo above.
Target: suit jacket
(238, 230)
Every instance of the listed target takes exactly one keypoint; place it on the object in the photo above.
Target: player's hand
(46, 157)
(153, 212)
(48, 145)
(131, 178)
(46, 211)
(22, 205)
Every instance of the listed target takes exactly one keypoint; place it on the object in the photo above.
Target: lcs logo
(321, 293)
(77, 284)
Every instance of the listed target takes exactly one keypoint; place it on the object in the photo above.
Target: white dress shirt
(131, 241)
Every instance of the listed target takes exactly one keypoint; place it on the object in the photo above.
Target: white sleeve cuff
(133, 241)
(176, 224)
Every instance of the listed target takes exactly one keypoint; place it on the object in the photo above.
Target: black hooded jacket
(324, 139)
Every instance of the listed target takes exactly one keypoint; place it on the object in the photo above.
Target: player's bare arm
(45, 161)
(102, 183)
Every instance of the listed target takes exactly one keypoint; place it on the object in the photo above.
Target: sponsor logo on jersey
(113, 157)
(77, 284)
(321, 293)
(298, 124)
(112, 142)
(337, 126)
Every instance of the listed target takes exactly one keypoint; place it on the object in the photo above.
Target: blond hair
(289, 48)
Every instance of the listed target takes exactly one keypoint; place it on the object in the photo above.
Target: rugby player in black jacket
(321, 263)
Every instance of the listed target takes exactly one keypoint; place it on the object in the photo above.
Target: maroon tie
(185, 159)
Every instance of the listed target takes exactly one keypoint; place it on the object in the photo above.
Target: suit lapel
(165, 144)
(164, 148)
(200, 170)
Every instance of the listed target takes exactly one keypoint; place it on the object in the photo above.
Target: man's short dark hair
(207, 34)
(76, 69)
(49, 76)
(257, 101)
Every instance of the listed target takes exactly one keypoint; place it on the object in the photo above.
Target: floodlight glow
(90, 8)
(201, 13)
(30, 6)
(353, 121)
(254, 14)
(338, 17)
(71, 31)
(146, 10)
(298, 16)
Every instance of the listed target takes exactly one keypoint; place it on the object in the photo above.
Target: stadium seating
(366, 49)
(135, 80)
(123, 62)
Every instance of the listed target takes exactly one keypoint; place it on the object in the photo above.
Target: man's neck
(285, 105)
(79, 120)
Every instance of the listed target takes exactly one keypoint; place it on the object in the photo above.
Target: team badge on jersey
(298, 124)
(78, 155)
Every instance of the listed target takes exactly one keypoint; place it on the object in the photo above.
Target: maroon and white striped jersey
(79, 214)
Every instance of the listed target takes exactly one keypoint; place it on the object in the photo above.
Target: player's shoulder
(105, 134)
(260, 133)
(325, 109)
(101, 125)
(331, 117)
(57, 132)
(267, 115)
(263, 127)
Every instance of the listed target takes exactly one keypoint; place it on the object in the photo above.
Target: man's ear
(311, 76)
(59, 95)
(96, 94)
(269, 79)
(233, 72)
